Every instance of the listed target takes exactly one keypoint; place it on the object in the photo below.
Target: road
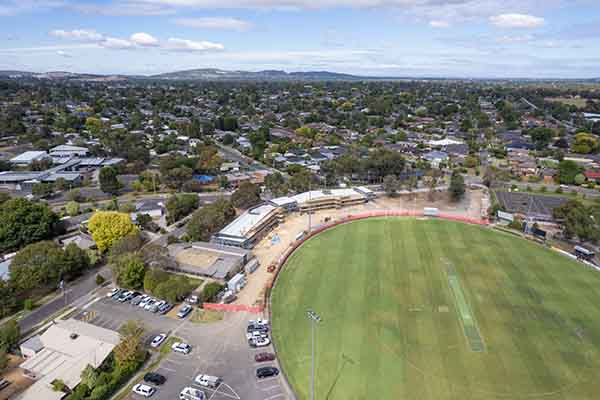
(234, 155)
(77, 293)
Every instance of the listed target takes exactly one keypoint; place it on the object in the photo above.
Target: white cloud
(177, 44)
(439, 24)
(215, 23)
(78, 34)
(143, 39)
(116, 43)
(9, 8)
(517, 21)
(515, 39)
(63, 53)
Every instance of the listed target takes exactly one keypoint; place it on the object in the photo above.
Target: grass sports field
(430, 309)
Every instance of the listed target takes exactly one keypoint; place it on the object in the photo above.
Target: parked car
(113, 292)
(190, 393)
(262, 357)
(266, 372)
(145, 302)
(208, 381)
(184, 311)
(137, 300)
(123, 296)
(118, 293)
(255, 335)
(259, 342)
(259, 322)
(143, 390)
(149, 304)
(183, 348)
(192, 300)
(153, 377)
(257, 328)
(165, 308)
(158, 340)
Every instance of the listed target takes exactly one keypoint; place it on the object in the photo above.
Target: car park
(190, 393)
(156, 378)
(184, 311)
(208, 381)
(180, 347)
(262, 357)
(143, 390)
(266, 372)
(113, 292)
(259, 342)
(158, 340)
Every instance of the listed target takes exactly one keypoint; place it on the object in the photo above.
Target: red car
(262, 357)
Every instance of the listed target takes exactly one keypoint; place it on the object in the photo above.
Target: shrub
(28, 304)
(100, 280)
(210, 291)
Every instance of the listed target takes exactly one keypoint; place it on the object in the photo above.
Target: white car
(183, 348)
(112, 292)
(158, 340)
(260, 342)
(259, 322)
(256, 335)
(208, 381)
(190, 393)
(143, 390)
(145, 302)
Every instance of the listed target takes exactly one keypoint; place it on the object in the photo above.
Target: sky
(394, 38)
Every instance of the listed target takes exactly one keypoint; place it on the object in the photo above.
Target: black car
(266, 372)
(153, 377)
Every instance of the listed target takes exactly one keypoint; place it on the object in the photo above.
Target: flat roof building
(68, 347)
(28, 157)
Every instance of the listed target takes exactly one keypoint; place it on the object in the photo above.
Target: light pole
(314, 319)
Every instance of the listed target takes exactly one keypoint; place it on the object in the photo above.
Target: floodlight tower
(314, 320)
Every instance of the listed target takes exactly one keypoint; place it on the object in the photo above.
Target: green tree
(72, 208)
(541, 137)
(567, 171)
(301, 181)
(181, 205)
(246, 196)
(130, 350)
(276, 184)
(24, 222)
(153, 278)
(210, 219)
(391, 185)
(129, 271)
(107, 227)
(42, 190)
(89, 376)
(40, 265)
(127, 244)
(109, 182)
(457, 186)
(176, 177)
(10, 333)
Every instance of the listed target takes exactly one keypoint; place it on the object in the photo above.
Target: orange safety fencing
(233, 307)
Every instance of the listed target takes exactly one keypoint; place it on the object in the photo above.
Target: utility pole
(314, 320)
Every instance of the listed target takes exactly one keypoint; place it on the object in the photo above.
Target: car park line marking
(270, 387)
(85, 307)
(167, 369)
(275, 396)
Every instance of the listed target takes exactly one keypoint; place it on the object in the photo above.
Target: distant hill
(218, 74)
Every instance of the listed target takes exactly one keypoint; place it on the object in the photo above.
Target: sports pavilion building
(254, 224)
